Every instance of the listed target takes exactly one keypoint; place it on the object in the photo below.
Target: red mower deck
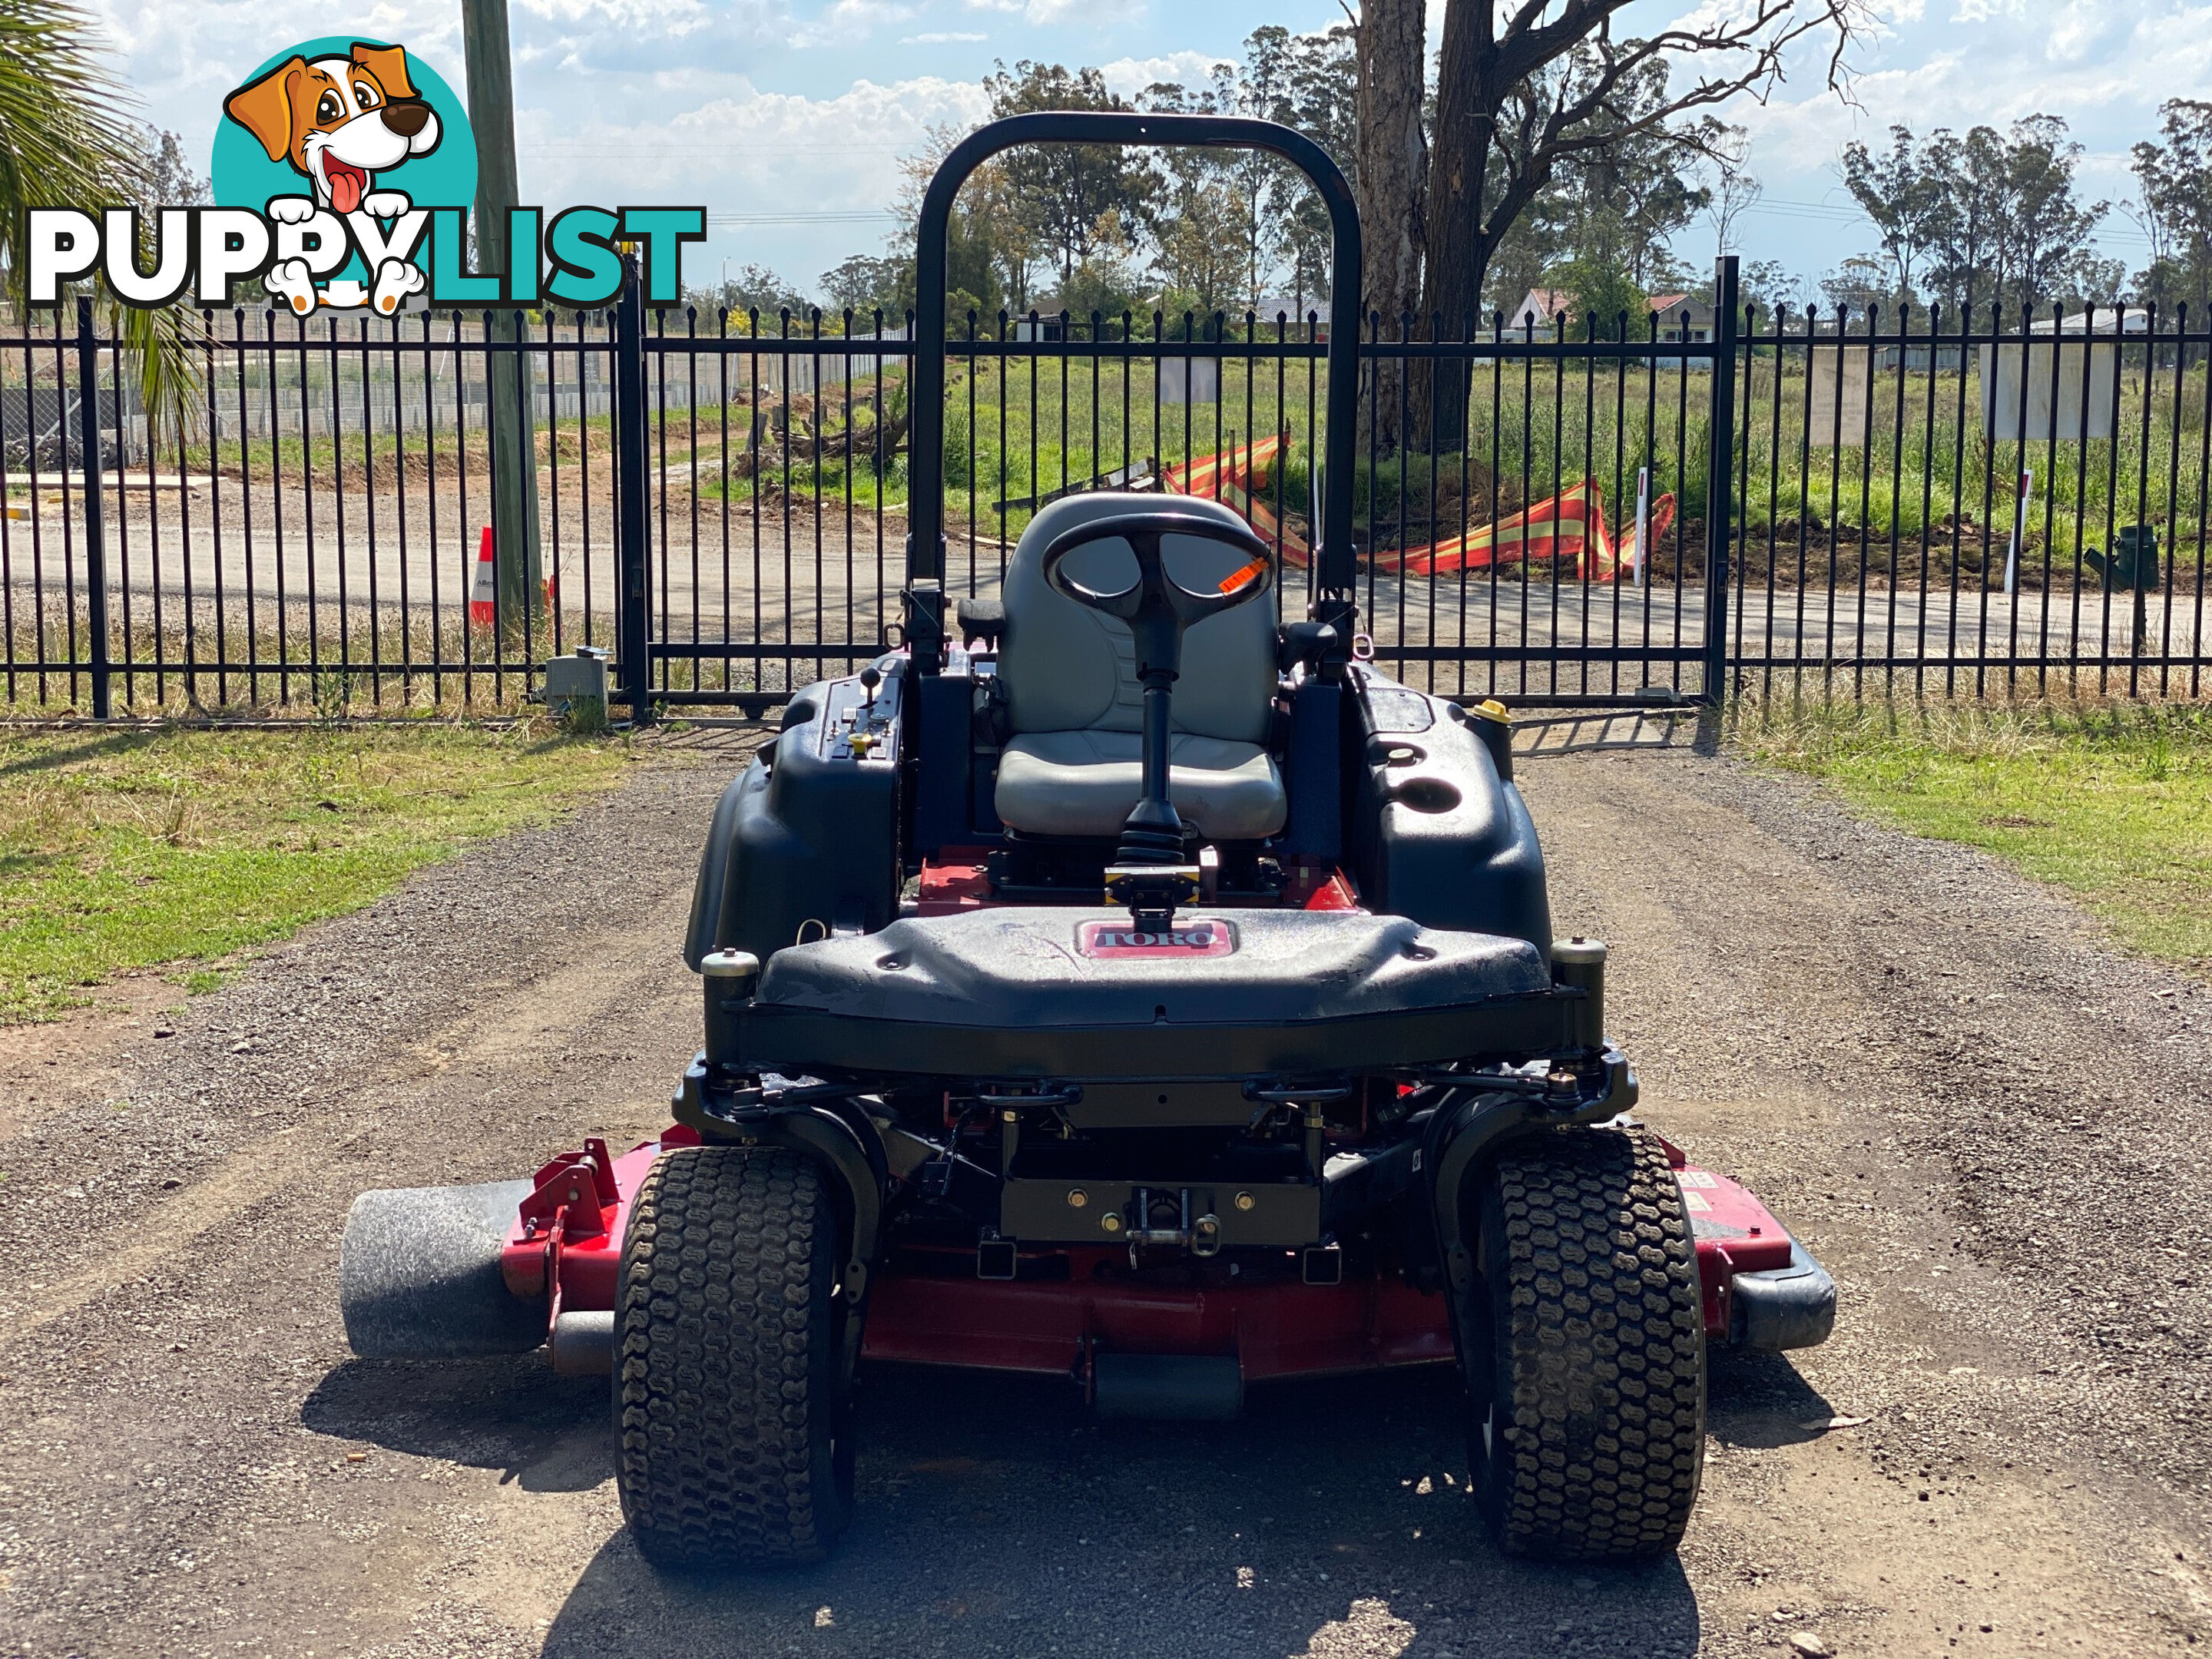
(1063, 1305)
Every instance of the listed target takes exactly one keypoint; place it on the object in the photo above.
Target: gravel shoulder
(1990, 1124)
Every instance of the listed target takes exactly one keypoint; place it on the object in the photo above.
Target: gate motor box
(581, 674)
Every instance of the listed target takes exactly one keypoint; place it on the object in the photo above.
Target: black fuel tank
(1437, 833)
(805, 841)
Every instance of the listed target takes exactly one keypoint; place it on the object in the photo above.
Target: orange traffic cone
(484, 603)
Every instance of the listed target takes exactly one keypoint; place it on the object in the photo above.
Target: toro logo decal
(1198, 937)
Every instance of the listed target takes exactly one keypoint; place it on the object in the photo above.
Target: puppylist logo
(344, 170)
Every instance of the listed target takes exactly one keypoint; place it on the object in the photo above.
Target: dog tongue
(345, 188)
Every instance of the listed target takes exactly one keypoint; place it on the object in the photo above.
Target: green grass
(1918, 468)
(177, 848)
(2113, 805)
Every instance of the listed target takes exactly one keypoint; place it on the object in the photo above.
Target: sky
(786, 117)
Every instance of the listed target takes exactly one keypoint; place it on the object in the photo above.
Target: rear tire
(1584, 1351)
(730, 1395)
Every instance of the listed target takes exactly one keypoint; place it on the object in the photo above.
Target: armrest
(984, 620)
(1307, 642)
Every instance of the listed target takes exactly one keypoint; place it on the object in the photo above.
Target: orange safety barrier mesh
(1570, 525)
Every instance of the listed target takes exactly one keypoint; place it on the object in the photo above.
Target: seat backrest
(1066, 667)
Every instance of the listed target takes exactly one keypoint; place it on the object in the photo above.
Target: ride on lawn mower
(1122, 986)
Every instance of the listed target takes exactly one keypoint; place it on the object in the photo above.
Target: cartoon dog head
(340, 121)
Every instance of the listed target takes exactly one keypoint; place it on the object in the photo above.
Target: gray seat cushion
(1084, 783)
(1070, 677)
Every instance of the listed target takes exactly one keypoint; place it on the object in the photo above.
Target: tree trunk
(1392, 163)
(1459, 246)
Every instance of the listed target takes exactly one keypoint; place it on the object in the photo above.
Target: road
(778, 573)
(1988, 1122)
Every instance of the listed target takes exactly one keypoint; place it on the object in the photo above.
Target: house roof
(2100, 319)
(1548, 302)
(1543, 303)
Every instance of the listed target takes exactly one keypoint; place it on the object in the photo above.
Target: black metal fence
(1966, 504)
(1550, 511)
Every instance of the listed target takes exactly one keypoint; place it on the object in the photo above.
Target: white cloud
(2078, 30)
(943, 38)
(754, 152)
(1043, 13)
(677, 17)
(1129, 76)
(789, 181)
(1988, 62)
(848, 22)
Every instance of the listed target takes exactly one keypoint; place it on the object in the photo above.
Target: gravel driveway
(1991, 1126)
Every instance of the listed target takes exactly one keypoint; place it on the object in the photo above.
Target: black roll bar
(1334, 565)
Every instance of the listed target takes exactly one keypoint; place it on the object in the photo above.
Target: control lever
(862, 740)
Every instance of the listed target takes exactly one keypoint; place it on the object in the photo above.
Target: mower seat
(1069, 675)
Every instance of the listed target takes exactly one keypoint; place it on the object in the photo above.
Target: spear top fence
(1551, 511)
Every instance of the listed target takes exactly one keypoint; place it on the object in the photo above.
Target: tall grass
(325, 662)
(1920, 463)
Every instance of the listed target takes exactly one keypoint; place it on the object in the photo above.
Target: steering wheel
(1157, 607)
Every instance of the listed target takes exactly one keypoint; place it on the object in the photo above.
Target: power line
(737, 220)
(584, 150)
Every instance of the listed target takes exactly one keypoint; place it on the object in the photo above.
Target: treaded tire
(1587, 1376)
(730, 1396)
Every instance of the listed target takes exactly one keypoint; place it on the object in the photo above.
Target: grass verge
(2112, 804)
(129, 850)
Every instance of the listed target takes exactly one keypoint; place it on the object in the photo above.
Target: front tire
(1584, 1351)
(730, 1395)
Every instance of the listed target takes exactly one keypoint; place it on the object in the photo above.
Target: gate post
(95, 537)
(1720, 482)
(631, 586)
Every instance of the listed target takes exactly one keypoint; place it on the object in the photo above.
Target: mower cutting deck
(1121, 982)
(1049, 1311)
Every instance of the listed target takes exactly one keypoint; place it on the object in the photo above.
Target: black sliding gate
(1664, 509)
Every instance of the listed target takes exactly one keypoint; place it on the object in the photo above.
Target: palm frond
(164, 344)
(69, 138)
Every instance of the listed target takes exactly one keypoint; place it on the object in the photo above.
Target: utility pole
(510, 385)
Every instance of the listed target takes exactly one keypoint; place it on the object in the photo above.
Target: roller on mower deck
(424, 1274)
(1121, 982)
